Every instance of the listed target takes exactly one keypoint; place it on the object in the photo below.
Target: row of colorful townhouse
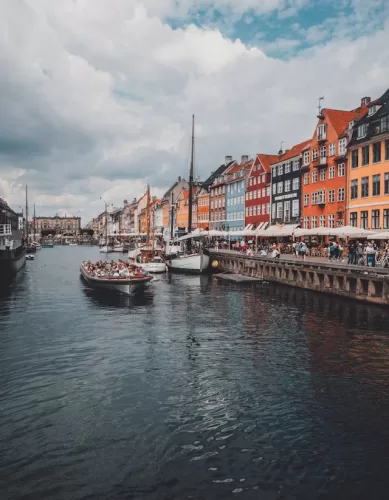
(339, 176)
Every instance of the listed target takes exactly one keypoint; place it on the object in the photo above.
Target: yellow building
(368, 171)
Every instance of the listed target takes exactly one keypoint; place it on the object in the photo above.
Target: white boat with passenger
(117, 276)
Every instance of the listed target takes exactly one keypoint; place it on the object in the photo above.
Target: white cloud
(96, 97)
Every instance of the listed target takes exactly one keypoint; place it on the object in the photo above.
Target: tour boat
(126, 285)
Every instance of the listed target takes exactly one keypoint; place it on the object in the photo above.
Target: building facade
(258, 193)
(324, 168)
(217, 195)
(169, 200)
(368, 173)
(67, 226)
(202, 203)
(286, 185)
(236, 184)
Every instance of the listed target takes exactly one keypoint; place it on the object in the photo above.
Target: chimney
(365, 101)
(280, 152)
(179, 178)
(227, 159)
(244, 158)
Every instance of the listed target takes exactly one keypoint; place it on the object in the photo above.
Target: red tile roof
(340, 119)
(294, 151)
(266, 160)
(239, 166)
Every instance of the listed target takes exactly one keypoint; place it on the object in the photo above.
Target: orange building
(324, 170)
(368, 178)
(202, 202)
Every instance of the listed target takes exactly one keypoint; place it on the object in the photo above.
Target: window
(322, 175)
(331, 196)
(296, 183)
(287, 186)
(306, 178)
(342, 146)
(314, 176)
(306, 200)
(254, 180)
(279, 210)
(354, 219)
(274, 188)
(306, 222)
(332, 149)
(364, 187)
(295, 208)
(362, 130)
(364, 219)
(375, 219)
(376, 152)
(263, 177)
(386, 218)
(280, 187)
(331, 221)
(341, 169)
(371, 111)
(387, 149)
(267, 208)
(314, 222)
(332, 172)
(365, 156)
(273, 211)
(251, 181)
(376, 185)
(354, 189)
(287, 167)
(250, 195)
(306, 158)
(386, 183)
(279, 170)
(341, 194)
(296, 165)
(287, 211)
(254, 210)
(321, 132)
(263, 193)
(322, 221)
(268, 191)
(315, 154)
(354, 158)
(259, 209)
(250, 211)
(314, 198)
(274, 171)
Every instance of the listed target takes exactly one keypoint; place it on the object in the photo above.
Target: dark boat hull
(11, 262)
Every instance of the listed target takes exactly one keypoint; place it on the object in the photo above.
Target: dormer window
(321, 132)
(362, 130)
(372, 110)
(351, 124)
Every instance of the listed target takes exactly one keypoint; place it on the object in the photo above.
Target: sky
(96, 96)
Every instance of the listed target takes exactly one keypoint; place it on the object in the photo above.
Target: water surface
(197, 389)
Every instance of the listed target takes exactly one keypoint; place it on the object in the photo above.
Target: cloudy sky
(96, 96)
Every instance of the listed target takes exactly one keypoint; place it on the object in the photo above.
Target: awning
(384, 235)
(351, 232)
(278, 231)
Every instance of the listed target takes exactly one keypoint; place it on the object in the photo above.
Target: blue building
(236, 185)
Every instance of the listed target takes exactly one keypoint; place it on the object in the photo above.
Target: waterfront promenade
(370, 284)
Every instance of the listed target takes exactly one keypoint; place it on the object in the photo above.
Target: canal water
(197, 390)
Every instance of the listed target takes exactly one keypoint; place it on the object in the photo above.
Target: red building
(258, 193)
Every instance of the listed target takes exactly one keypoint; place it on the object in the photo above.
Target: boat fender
(215, 264)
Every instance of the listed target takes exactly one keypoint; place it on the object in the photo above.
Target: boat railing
(5, 230)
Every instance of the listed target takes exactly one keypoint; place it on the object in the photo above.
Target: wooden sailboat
(151, 259)
(190, 262)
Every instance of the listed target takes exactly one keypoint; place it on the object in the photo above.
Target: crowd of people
(113, 269)
(352, 253)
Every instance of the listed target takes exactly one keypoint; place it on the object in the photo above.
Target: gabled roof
(219, 171)
(340, 119)
(240, 166)
(296, 150)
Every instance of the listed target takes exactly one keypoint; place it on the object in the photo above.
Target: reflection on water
(195, 389)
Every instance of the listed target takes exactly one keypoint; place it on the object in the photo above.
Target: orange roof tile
(340, 119)
(266, 160)
(294, 151)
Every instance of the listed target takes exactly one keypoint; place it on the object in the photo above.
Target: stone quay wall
(357, 282)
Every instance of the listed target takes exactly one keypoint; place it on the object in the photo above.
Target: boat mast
(191, 185)
(148, 215)
(34, 222)
(172, 218)
(106, 223)
(26, 215)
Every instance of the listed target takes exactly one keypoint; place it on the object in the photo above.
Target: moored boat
(12, 250)
(119, 277)
(154, 266)
(197, 263)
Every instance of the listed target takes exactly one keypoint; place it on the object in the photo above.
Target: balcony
(304, 167)
(323, 162)
(5, 230)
